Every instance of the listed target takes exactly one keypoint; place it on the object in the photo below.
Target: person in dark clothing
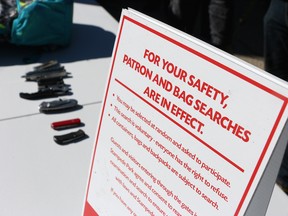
(208, 20)
(150, 7)
(276, 39)
(220, 13)
(276, 59)
(190, 16)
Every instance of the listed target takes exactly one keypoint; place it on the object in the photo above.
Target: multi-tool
(47, 92)
(60, 105)
(49, 77)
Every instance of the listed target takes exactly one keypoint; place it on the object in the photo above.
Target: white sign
(185, 129)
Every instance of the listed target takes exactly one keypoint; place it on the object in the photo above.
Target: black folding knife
(49, 92)
(70, 137)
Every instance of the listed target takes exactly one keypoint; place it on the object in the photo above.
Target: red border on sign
(89, 211)
(218, 64)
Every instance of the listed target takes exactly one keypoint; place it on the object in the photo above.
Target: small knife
(70, 137)
(71, 123)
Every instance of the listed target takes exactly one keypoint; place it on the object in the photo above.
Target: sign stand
(185, 129)
(260, 201)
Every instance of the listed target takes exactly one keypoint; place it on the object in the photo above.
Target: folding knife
(47, 65)
(49, 92)
(70, 137)
(52, 73)
(58, 105)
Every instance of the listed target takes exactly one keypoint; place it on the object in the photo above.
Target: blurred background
(239, 22)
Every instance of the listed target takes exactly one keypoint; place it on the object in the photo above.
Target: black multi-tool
(47, 92)
(49, 77)
(50, 82)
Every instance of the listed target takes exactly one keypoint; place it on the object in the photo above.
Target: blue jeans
(276, 56)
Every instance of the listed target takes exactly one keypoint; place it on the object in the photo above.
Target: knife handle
(61, 125)
(70, 137)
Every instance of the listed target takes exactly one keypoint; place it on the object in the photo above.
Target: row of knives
(49, 77)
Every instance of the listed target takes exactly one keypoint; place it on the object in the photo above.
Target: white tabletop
(38, 176)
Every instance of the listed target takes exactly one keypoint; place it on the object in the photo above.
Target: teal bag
(43, 22)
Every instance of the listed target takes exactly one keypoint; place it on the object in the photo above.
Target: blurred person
(7, 14)
(276, 59)
(190, 16)
(150, 7)
(208, 20)
(276, 39)
(220, 13)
